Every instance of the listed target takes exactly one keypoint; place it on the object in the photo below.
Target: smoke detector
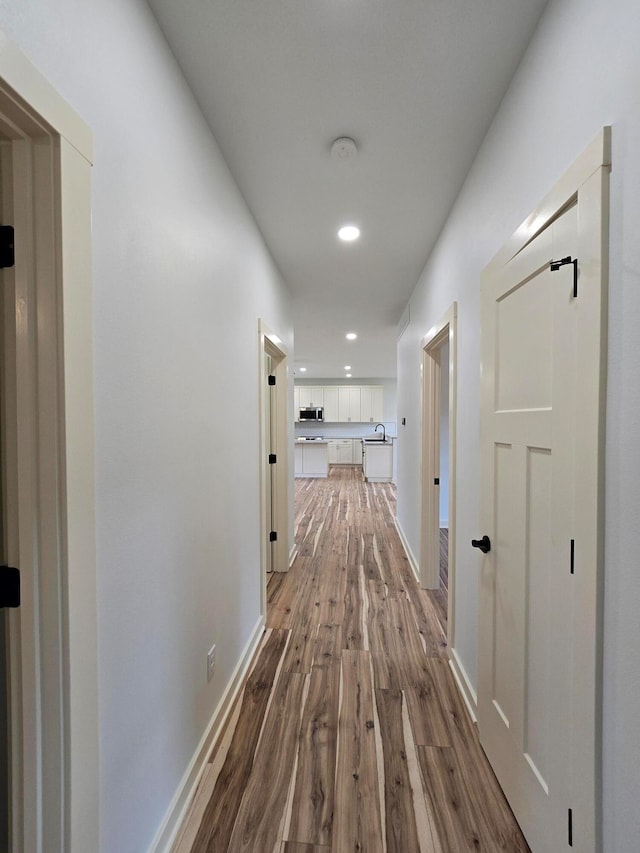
(343, 149)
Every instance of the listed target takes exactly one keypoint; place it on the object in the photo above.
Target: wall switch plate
(211, 662)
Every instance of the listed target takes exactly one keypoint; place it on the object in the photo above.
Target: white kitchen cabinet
(371, 408)
(345, 451)
(311, 459)
(349, 404)
(311, 395)
(342, 404)
(378, 462)
(331, 412)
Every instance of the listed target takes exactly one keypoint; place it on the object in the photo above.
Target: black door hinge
(555, 266)
(7, 249)
(573, 555)
(9, 586)
(272, 379)
(272, 459)
(273, 536)
(570, 827)
(436, 481)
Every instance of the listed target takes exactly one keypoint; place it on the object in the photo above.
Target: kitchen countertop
(301, 439)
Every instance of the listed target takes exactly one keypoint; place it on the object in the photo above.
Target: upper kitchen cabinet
(371, 404)
(341, 403)
(310, 396)
(349, 405)
(331, 409)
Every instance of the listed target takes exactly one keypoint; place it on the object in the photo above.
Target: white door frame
(269, 343)
(444, 330)
(586, 181)
(48, 362)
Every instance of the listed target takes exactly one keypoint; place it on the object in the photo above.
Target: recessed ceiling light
(349, 233)
(347, 367)
(348, 376)
(302, 369)
(351, 336)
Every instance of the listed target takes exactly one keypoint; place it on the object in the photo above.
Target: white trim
(54, 363)
(595, 156)
(188, 786)
(293, 553)
(410, 555)
(32, 88)
(444, 331)
(464, 684)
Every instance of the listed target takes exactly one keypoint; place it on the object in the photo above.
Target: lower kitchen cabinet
(378, 462)
(345, 451)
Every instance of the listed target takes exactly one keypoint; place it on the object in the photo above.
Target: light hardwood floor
(350, 734)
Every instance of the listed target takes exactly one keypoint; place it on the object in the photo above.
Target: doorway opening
(437, 572)
(274, 457)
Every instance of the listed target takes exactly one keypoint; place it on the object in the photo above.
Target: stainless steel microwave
(311, 413)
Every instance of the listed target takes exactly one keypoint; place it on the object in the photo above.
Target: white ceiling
(414, 82)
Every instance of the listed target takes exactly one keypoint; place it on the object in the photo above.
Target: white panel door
(528, 424)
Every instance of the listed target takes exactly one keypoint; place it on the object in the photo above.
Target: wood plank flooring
(350, 734)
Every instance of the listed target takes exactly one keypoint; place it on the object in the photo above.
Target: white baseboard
(415, 568)
(464, 684)
(187, 788)
(293, 554)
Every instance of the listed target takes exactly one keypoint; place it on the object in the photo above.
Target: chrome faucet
(384, 432)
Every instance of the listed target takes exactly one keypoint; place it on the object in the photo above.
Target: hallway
(350, 734)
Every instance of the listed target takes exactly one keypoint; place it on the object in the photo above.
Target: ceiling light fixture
(351, 336)
(347, 367)
(348, 376)
(302, 369)
(348, 233)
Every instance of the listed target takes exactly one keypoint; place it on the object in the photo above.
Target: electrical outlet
(211, 662)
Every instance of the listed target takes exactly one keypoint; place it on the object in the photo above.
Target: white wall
(181, 276)
(582, 71)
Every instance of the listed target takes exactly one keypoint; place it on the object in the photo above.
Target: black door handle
(484, 544)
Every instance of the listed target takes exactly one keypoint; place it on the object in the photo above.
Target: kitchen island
(311, 457)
